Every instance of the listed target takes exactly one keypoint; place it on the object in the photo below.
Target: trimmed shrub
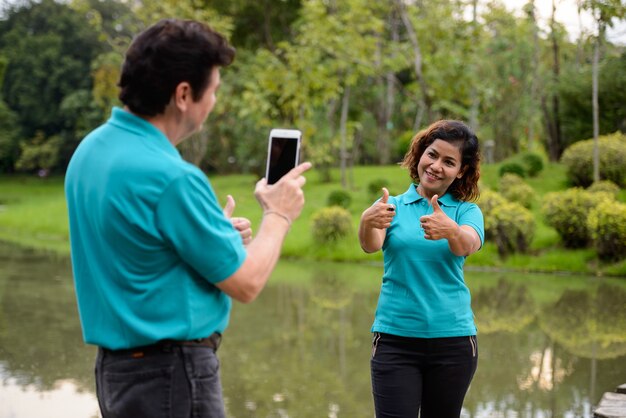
(605, 186)
(508, 180)
(520, 193)
(403, 143)
(533, 163)
(513, 228)
(488, 201)
(340, 198)
(607, 224)
(515, 189)
(374, 188)
(330, 224)
(512, 167)
(567, 212)
(578, 158)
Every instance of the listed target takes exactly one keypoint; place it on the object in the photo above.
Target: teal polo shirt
(148, 239)
(423, 294)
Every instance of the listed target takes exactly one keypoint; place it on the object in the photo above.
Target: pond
(549, 345)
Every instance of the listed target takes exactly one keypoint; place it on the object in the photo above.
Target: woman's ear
(461, 172)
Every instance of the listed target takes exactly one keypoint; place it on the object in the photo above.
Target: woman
(424, 352)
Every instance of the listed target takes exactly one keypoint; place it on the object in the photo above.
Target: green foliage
(575, 94)
(606, 186)
(508, 180)
(607, 224)
(533, 163)
(508, 224)
(578, 158)
(513, 168)
(513, 228)
(50, 48)
(331, 224)
(39, 153)
(403, 143)
(339, 197)
(374, 187)
(567, 212)
(520, 193)
(9, 148)
(513, 188)
(488, 201)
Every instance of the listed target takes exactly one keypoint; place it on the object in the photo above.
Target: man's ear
(182, 96)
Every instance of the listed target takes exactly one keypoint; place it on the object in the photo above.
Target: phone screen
(283, 157)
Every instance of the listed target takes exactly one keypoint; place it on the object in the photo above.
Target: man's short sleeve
(191, 220)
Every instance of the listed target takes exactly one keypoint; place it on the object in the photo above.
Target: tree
(552, 115)
(49, 48)
(603, 12)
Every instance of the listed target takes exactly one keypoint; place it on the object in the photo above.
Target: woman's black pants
(427, 374)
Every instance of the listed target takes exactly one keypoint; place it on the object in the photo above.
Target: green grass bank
(33, 214)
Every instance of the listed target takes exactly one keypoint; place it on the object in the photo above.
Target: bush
(578, 158)
(513, 228)
(330, 224)
(605, 186)
(512, 167)
(514, 189)
(522, 194)
(508, 180)
(488, 201)
(340, 198)
(403, 143)
(374, 187)
(533, 163)
(607, 224)
(567, 212)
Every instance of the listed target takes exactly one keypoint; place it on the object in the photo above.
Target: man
(156, 260)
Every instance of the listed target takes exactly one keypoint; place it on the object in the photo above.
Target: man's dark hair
(164, 55)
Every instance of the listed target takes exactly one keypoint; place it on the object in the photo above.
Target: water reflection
(549, 346)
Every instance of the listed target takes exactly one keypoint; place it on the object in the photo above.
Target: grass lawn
(33, 214)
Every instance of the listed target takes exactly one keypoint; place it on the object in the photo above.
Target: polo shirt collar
(412, 196)
(133, 123)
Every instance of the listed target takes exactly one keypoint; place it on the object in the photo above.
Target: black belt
(213, 341)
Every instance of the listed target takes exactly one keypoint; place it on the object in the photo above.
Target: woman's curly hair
(459, 134)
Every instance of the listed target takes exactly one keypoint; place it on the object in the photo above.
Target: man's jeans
(168, 381)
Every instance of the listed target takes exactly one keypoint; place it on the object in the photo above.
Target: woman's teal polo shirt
(423, 293)
(148, 239)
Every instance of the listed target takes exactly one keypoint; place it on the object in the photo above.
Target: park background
(359, 78)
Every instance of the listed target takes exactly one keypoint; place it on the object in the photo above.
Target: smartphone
(283, 153)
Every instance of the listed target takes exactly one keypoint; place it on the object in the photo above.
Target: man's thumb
(385, 197)
(230, 206)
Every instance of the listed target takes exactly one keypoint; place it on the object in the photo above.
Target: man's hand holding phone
(285, 198)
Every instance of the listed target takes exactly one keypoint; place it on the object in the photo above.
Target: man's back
(140, 217)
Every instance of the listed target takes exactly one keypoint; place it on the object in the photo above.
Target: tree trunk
(534, 83)
(555, 145)
(473, 112)
(417, 60)
(343, 149)
(594, 104)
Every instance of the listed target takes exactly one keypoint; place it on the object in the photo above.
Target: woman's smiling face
(438, 167)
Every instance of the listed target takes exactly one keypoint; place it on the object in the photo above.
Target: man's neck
(166, 122)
